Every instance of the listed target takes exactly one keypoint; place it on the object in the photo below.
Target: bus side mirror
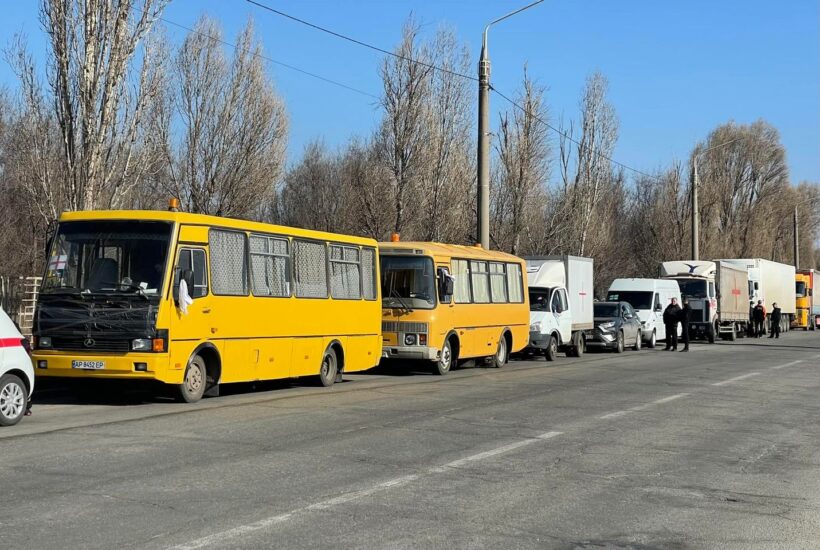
(449, 285)
(188, 276)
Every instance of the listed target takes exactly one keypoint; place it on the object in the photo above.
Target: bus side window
(194, 260)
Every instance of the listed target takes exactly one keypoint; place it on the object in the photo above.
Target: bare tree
(523, 168)
(231, 152)
(99, 103)
(404, 131)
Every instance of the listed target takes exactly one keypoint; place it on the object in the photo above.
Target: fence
(18, 298)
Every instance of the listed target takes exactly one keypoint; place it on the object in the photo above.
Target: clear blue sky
(676, 69)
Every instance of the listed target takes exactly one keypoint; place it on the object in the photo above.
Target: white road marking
(223, 536)
(661, 401)
(786, 365)
(735, 379)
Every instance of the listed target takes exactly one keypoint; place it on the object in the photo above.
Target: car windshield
(800, 289)
(408, 282)
(540, 299)
(637, 299)
(692, 288)
(606, 310)
(99, 257)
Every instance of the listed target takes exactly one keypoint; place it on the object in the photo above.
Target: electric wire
(361, 43)
(454, 73)
(274, 61)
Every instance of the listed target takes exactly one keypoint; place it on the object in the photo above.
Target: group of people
(759, 319)
(672, 316)
(675, 314)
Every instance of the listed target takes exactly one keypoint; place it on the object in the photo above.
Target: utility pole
(695, 210)
(796, 242)
(483, 222)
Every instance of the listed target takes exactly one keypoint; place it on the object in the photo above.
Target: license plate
(87, 365)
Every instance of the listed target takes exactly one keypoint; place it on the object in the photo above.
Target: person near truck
(685, 317)
(758, 318)
(774, 321)
(671, 317)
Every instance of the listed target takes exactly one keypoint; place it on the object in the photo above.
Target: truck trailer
(771, 282)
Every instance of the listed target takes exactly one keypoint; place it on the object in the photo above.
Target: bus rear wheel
(502, 353)
(193, 384)
(329, 368)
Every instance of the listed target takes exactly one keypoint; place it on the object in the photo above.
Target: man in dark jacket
(685, 317)
(671, 317)
(774, 321)
(758, 317)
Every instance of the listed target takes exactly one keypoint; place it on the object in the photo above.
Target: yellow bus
(259, 301)
(443, 303)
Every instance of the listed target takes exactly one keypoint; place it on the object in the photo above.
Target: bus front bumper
(136, 366)
(410, 352)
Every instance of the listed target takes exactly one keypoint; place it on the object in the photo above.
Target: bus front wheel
(193, 384)
(329, 368)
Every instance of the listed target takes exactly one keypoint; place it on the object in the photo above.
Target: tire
(328, 368)
(710, 334)
(502, 353)
(445, 362)
(193, 383)
(637, 346)
(619, 342)
(13, 399)
(551, 353)
(733, 334)
(653, 341)
(580, 346)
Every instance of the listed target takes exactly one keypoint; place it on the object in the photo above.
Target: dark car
(616, 325)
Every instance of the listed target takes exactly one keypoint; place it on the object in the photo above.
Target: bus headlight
(44, 342)
(409, 339)
(141, 344)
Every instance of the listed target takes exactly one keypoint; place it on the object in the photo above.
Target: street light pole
(484, 133)
(695, 210)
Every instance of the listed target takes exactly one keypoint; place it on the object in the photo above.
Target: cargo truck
(807, 302)
(718, 294)
(561, 310)
(771, 282)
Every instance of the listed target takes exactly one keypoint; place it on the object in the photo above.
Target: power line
(570, 138)
(361, 43)
(271, 60)
(448, 71)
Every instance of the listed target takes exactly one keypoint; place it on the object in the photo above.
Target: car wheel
(551, 353)
(652, 341)
(619, 342)
(637, 346)
(13, 399)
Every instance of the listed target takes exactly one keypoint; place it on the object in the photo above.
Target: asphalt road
(716, 448)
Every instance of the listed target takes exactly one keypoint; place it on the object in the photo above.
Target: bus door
(200, 322)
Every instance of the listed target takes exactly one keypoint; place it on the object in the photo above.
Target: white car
(16, 373)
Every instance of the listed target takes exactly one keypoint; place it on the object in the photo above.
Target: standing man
(774, 321)
(685, 317)
(671, 316)
(758, 317)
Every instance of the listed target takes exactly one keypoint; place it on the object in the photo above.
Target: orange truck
(807, 312)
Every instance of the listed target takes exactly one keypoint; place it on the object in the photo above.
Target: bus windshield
(692, 288)
(106, 257)
(637, 299)
(408, 282)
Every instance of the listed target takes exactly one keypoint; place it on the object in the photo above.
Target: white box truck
(718, 293)
(771, 282)
(561, 298)
(648, 297)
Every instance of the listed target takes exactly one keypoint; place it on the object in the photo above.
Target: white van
(16, 373)
(648, 297)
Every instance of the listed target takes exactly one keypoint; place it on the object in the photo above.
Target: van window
(657, 303)
(564, 301)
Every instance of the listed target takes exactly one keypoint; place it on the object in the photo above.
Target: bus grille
(404, 326)
(90, 344)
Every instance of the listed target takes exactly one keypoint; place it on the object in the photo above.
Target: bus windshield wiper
(394, 294)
